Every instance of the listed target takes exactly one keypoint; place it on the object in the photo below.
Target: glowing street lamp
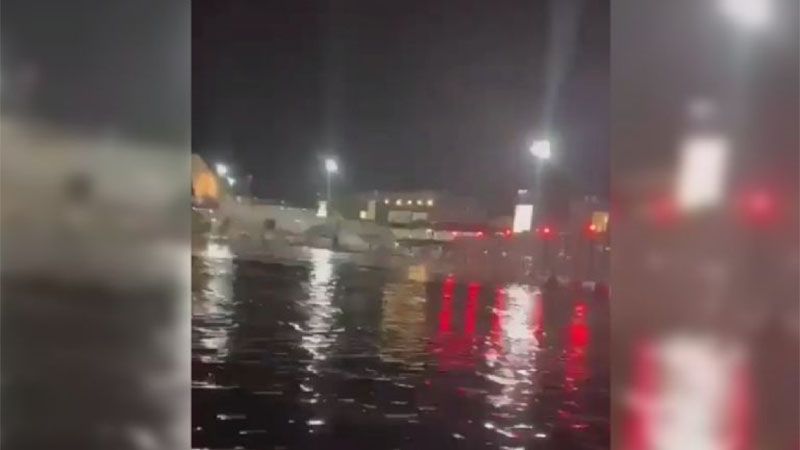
(749, 14)
(222, 169)
(541, 149)
(331, 166)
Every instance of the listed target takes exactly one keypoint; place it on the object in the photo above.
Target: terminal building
(426, 211)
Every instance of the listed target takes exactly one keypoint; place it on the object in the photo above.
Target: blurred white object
(749, 14)
(702, 171)
(689, 394)
(331, 166)
(523, 217)
(322, 210)
(222, 169)
(541, 149)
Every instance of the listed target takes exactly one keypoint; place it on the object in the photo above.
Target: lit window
(362, 214)
(430, 202)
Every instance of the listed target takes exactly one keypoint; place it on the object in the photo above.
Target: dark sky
(413, 94)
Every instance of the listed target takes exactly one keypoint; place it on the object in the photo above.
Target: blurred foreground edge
(705, 317)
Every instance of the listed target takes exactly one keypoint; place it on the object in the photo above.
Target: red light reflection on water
(638, 436)
(446, 313)
(454, 351)
(471, 313)
(578, 341)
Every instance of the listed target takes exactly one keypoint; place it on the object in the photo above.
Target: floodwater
(327, 354)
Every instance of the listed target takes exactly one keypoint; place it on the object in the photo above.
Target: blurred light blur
(94, 189)
(705, 317)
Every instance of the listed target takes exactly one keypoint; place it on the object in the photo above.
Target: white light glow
(231, 181)
(331, 166)
(222, 169)
(386, 201)
(749, 14)
(523, 217)
(541, 149)
(701, 179)
(419, 202)
(322, 209)
(398, 202)
(689, 410)
(430, 202)
(362, 214)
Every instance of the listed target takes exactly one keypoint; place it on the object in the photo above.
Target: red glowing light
(507, 232)
(546, 230)
(592, 227)
(663, 211)
(470, 320)
(758, 207)
(479, 234)
(446, 312)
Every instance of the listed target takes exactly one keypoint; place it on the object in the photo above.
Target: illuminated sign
(523, 217)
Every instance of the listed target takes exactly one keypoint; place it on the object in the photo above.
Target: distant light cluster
(409, 202)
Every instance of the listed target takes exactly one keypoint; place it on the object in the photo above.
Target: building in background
(590, 212)
(412, 208)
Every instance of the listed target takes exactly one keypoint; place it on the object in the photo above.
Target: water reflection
(212, 304)
(329, 354)
(403, 329)
(511, 360)
(318, 333)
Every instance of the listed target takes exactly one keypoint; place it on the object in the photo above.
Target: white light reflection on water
(318, 332)
(511, 358)
(212, 306)
(318, 335)
(403, 333)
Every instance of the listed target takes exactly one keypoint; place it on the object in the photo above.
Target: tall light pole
(331, 167)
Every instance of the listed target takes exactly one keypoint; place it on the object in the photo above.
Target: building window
(419, 217)
(399, 217)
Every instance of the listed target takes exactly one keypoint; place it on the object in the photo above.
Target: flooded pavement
(327, 354)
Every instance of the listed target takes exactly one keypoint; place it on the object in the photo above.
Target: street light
(331, 167)
(222, 169)
(231, 181)
(541, 149)
(749, 14)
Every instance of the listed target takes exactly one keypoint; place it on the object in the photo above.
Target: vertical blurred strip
(94, 223)
(705, 258)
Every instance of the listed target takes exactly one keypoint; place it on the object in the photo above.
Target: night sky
(408, 95)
